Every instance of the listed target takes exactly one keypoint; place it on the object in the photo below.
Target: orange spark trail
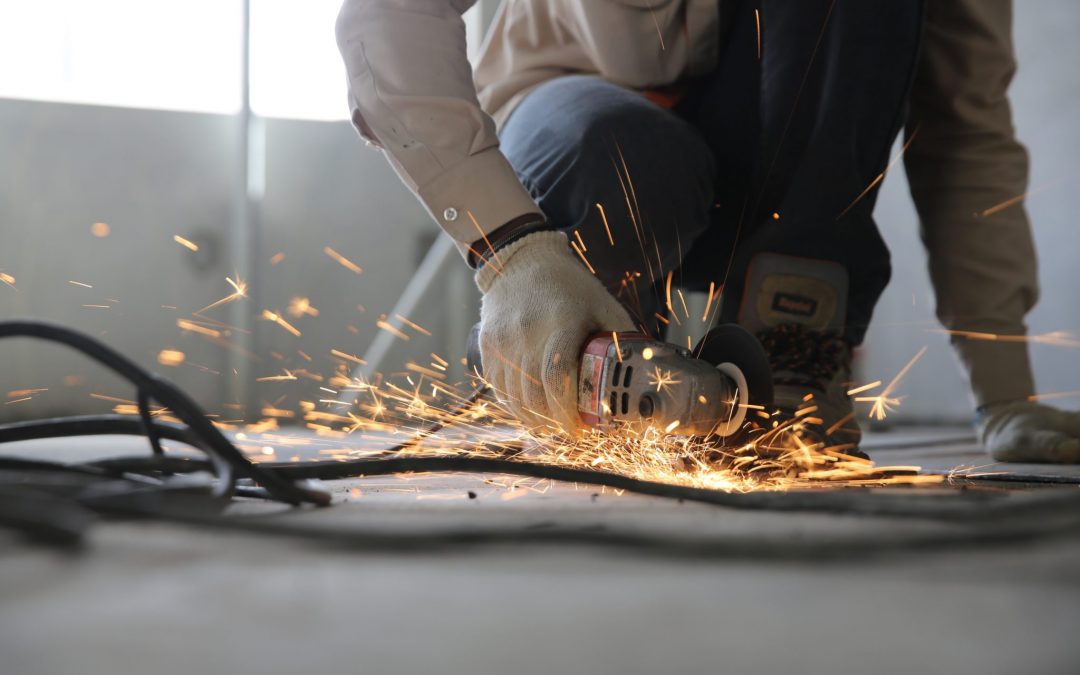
(757, 25)
(1018, 198)
(603, 217)
(342, 260)
(881, 176)
(186, 243)
(280, 320)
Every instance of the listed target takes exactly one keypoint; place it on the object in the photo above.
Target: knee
(581, 128)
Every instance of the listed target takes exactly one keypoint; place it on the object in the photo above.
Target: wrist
(535, 249)
(487, 247)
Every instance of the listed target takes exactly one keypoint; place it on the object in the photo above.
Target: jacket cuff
(538, 246)
(1000, 371)
(476, 197)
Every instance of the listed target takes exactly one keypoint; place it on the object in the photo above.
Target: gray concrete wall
(148, 175)
(152, 174)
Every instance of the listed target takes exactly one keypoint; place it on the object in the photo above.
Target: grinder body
(631, 379)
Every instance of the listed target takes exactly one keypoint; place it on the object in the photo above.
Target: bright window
(178, 55)
(296, 69)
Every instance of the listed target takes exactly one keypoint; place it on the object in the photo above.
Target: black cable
(62, 522)
(148, 423)
(965, 506)
(229, 462)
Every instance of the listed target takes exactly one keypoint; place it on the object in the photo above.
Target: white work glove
(1024, 431)
(540, 303)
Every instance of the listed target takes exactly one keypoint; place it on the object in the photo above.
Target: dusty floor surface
(157, 598)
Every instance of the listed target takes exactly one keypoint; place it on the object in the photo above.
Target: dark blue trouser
(800, 133)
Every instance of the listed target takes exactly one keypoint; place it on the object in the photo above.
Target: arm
(966, 170)
(411, 93)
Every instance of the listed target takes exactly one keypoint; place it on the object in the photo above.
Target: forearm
(411, 93)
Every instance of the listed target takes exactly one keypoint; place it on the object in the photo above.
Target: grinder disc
(734, 344)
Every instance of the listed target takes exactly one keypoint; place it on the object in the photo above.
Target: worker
(603, 150)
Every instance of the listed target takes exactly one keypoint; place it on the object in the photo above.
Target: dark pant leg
(834, 78)
(587, 149)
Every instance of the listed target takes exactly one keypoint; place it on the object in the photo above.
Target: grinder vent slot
(613, 402)
(629, 374)
(615, 375)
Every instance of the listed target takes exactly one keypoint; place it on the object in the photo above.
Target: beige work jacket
(413, 93)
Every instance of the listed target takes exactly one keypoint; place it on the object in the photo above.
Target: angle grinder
(631, 379)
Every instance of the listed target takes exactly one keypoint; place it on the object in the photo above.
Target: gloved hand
(1024, 431)
(540, 303)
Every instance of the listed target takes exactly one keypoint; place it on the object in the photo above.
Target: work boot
(811, 378)
(797, 307)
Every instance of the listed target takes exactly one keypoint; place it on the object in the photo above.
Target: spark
(267, 315)
(270, 411)
(881, 176)
(581, 254)
(709, 301)
(682, 301)
(299, 307)
(662, 379)
(618, 350)
(348, 357)
(885, 403)
(416, 327)
(1056, 394)
(1013, 201)
(186, 243)
(277, 257)
(16, 393)
(417, 368)
(865, 387)
(580, 241)
(184, 324)
(1058, 338)
(100, 230)
(383, 324)
(79, 283)
(607, 229)
(286, 376)
(483, 235)
(667, 298)
(170, 357)
(343, 261)
(757, 26)
(240, 290)
(7, 279)
(659, 34)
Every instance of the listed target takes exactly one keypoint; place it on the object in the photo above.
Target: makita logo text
(794, 304)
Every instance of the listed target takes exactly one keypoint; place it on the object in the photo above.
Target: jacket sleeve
(411, 93)
(967, 174)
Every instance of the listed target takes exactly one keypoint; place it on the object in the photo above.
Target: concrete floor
(157, 598)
